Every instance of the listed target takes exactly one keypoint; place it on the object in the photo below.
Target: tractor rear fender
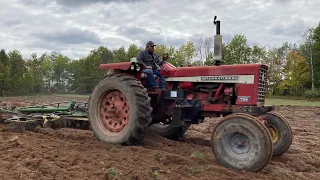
(132, 68)
(120, 66)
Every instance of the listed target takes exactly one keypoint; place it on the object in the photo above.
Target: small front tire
(241, 142)
(281, 132)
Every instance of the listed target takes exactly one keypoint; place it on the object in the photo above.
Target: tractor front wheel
(120, 110)
(280, 130)
(241, 142)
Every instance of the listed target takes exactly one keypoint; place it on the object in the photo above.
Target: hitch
(186, 110)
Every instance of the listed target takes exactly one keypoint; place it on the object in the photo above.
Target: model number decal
(173, 94)
(244, 98)
(212, 78)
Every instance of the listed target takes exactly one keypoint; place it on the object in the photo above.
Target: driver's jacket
(147, 59)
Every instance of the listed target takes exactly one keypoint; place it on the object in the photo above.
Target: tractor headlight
(132, 67)
(138, 68)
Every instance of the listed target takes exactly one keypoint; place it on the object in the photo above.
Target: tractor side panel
(253, 94)
(246, 94)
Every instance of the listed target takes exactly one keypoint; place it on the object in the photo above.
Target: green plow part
(45, 109)
(73, 115)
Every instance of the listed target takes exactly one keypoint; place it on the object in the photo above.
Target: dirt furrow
(78, 154)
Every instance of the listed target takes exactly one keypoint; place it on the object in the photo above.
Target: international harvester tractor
(247, 135)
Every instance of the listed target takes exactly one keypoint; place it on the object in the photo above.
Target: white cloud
(75, 27)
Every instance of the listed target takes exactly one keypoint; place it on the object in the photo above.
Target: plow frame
(55, 115)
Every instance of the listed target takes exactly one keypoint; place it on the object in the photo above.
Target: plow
(121, 109)
(68, 114)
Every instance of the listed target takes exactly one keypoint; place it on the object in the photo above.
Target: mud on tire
(241, 142)
(119, 110)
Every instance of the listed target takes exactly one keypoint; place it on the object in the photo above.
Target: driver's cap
(150, 43)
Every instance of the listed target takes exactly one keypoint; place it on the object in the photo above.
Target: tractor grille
(262, 85)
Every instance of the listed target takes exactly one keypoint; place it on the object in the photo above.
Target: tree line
(294, 68)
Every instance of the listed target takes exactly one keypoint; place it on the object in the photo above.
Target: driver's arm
(141, 58)
(158, 61)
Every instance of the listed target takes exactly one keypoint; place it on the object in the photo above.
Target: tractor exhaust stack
(217, 54)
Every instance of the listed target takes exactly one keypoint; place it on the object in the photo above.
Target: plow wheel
(281, 132)
(241, 142)
(119, 110)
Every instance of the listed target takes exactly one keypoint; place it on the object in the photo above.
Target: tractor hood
(223, 70)
(225, 73)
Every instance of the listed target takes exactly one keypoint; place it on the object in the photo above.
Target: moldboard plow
(68, 114)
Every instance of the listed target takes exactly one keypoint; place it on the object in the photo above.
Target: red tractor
(248, 135)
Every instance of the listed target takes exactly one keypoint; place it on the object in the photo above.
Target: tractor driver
(148, 58)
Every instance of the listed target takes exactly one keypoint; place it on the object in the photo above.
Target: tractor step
(186, 110)
(183, 104)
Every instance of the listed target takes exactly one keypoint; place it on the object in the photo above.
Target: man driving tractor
(152, 62)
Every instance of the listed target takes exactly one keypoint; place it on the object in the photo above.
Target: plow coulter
(68, 114)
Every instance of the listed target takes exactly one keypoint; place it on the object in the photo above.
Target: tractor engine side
(229, 90)
(216, 90)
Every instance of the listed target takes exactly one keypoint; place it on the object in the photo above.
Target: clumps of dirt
(8, 142)
(77, 154)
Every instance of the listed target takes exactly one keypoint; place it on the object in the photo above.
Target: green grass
(292, 102)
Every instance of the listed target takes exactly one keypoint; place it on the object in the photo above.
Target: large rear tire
(120, 110)
(281, 132)
(241, 142)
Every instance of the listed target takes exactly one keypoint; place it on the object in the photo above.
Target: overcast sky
(74, 27)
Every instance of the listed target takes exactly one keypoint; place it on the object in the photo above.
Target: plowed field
(77, 154)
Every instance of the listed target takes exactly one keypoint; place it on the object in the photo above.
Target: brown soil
(77, 154)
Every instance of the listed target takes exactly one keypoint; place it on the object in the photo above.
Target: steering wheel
(165, 57)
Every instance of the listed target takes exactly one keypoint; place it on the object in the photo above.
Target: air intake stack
(217, 54)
